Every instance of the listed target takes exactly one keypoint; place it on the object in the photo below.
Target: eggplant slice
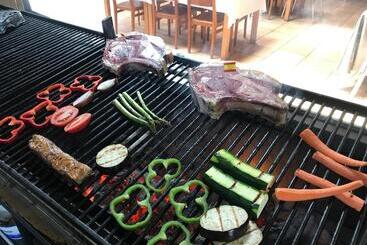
(225, 223)
(253, 236)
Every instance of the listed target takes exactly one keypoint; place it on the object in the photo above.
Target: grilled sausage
(59, 160)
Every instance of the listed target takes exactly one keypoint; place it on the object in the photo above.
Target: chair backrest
(204, 3)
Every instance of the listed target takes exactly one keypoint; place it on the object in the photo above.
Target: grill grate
(42, 52)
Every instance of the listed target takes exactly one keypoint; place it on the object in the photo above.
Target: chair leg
(169, 27)
(202, 29)
(132, 21)
(177, 29)
(271, 5)
(189, 30)
(245, 28)
(116, 22)
(212, 45)
(207, 33)
(139, 17)
(235, 33)
(230, 39)
(159, 24)
(194, 33)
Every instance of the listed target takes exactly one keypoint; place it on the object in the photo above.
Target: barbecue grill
(43, 51)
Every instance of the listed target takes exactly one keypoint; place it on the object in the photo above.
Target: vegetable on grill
(84, 99)
(62, 162)
(225, 223)
(154, 116)
(236, 192)
(200, 201)
(129, 107)
(253, 236)
(312, 140)
(242, 171)
(295, 195)
(79, 83)
(78, 124)
(107, 85)
(110, 157)
(14, 133)
(338, 168)
(120, 217)
(64, 92)
(347, 198)
(131, 117)
(162, 236)
(167, 177)
(64, 115)
(29, 116)
(138, 108)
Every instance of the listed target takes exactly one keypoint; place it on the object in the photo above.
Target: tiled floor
(300, 52)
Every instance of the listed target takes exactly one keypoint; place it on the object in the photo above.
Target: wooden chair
(206, 19)
(173, 12)
(136, 10)
(236, 29)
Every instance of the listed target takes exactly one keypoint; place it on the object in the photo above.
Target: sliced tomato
(64, 115)
(79, 123)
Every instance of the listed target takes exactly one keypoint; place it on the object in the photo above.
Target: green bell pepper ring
(179, 207)
(167, 177)
(143, 203)
(162, 236)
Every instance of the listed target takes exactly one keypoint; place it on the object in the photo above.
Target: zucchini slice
(225, 223)
(242, 171)
(236, 192)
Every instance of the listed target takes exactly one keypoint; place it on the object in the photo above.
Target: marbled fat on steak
(216, 91)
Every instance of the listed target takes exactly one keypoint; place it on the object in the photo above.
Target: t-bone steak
(216, 91)
(136, 52)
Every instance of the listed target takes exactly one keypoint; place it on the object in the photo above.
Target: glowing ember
(90, 189)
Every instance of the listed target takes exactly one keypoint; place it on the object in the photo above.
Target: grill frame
(8, 168)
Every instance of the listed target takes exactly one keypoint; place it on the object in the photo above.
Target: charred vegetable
(236, 192)
(225, 223)
(253, 236)
(110, 157)
(242, 171)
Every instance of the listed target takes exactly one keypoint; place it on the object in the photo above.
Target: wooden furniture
(107, 8)
(206, 18)
(173, 12)
(136, 10)
(244, 19)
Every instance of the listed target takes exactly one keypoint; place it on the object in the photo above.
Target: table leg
(107, 8)
(255, 24)
(149, 27)
(288, 8)
(226, 37)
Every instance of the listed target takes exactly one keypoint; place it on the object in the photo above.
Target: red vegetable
(78, 84)
(30, 116)
(346, 197)
(64, 115)
(64, 92)
(295, 195)
(78, 124)
(312, 140)
(11, 121)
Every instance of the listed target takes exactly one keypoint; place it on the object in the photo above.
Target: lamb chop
(216, 91)
(136, 51)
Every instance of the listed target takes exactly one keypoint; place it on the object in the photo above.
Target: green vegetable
(139, 109)
(167, 177)
(236, 192)
(162, 236)
(145, 107)
(242, 171)
(128, 107)
(125, 196)
(179, 207)
(131, 117)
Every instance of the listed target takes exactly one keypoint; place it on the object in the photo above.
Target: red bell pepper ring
(30, 116)
(78, 84)
(12, 121)
(64, 92)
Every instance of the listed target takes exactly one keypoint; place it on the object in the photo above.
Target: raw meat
(10, 18)
(136, 51)
(59, 160)
(216, 91)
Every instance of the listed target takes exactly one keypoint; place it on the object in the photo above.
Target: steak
(136, 52)
(216, 91)
(59, 160)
